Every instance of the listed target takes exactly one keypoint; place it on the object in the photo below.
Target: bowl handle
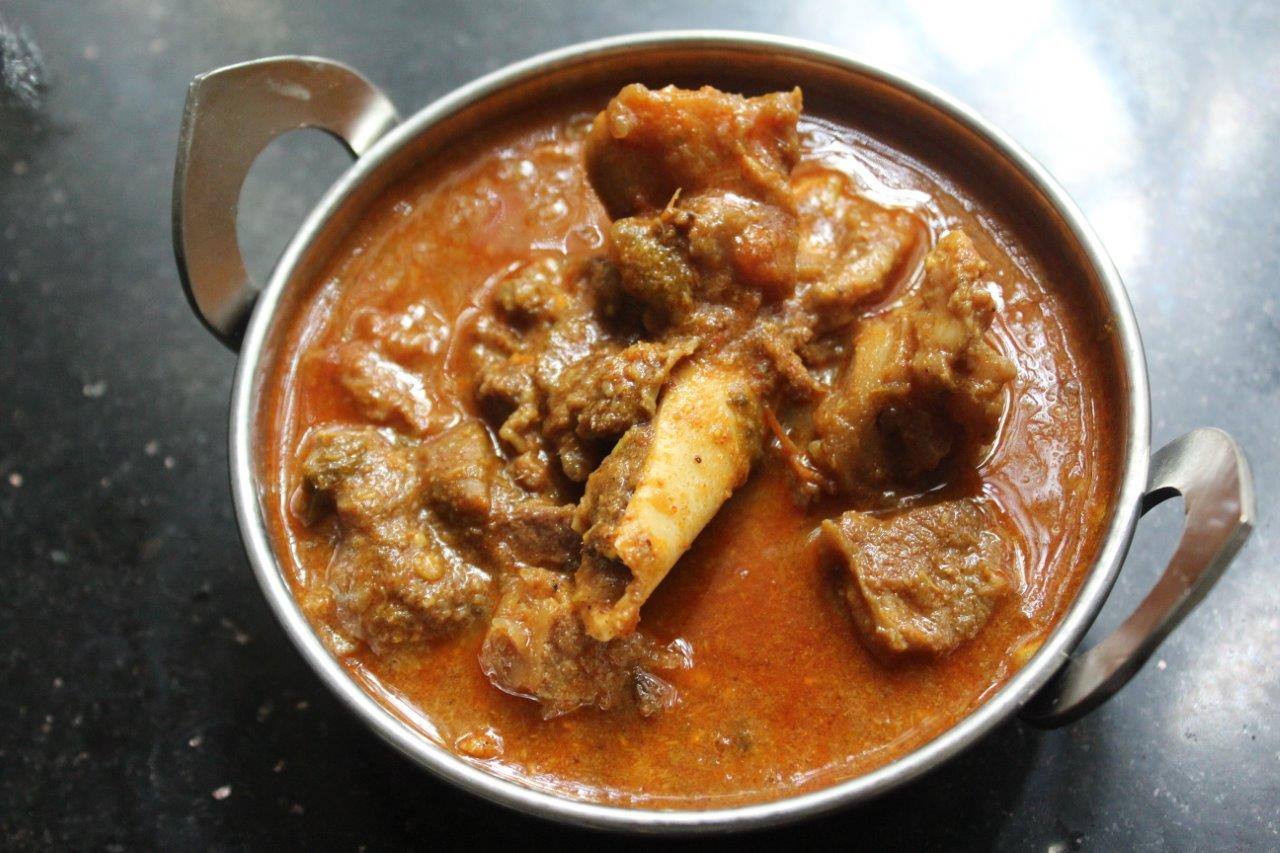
(1208, 469)
(231, 115)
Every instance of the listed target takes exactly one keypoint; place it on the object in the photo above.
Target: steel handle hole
(284, 184)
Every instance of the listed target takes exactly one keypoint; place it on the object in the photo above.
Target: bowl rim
(452, 768)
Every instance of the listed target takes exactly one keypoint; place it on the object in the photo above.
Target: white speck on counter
(237, 634)
(94, 390)
(1160, 664)
(194, 741)
(15, 480)
(169, 462)
(59, 557)
(152, 447)
(91, 52)
(222, 793)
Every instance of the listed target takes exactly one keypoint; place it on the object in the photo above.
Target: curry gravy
(782, 696)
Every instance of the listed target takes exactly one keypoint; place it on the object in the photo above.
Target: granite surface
(149, 699)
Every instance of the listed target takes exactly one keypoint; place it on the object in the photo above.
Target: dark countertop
(150, 700)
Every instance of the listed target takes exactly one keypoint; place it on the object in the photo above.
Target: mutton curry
(685, 453)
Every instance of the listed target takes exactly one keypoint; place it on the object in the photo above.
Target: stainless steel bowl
(234, 112)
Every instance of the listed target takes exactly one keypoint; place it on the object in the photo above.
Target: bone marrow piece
(678, 447)
(644, 510)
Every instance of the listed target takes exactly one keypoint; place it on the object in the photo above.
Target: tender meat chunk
(851, 249)
(505, 384)
(705, 248)
(615, 307)
(605, 394)
(602, 578)
(385, 390)
(775, 346)
(609, 490)
(515, 359)
(403, 584)
(652, 259)
(467, 487)
(740, 242)
(459, 467)
(535, 532)
(698, 183)
(647, 145)
(393, 578)
(923, 580)
(367, 475)
(925, 386)
(536, 648)
(569, 387)
(534, 292)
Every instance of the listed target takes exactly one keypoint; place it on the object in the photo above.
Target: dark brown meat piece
(544, 323)
(617, 310)
(715, 247)
(567, 387)
(648, 144)
(534, 293)
(505, 384)
(601, 578)
(393, 578)
(364, 473)
(698, 184)
(535, 532)
(486, 512)
(924, 387)
(610, 487)
(459, 467)
(536, 647)
(699, 188)
(652, 259)
(605, 394)
(923, 580)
